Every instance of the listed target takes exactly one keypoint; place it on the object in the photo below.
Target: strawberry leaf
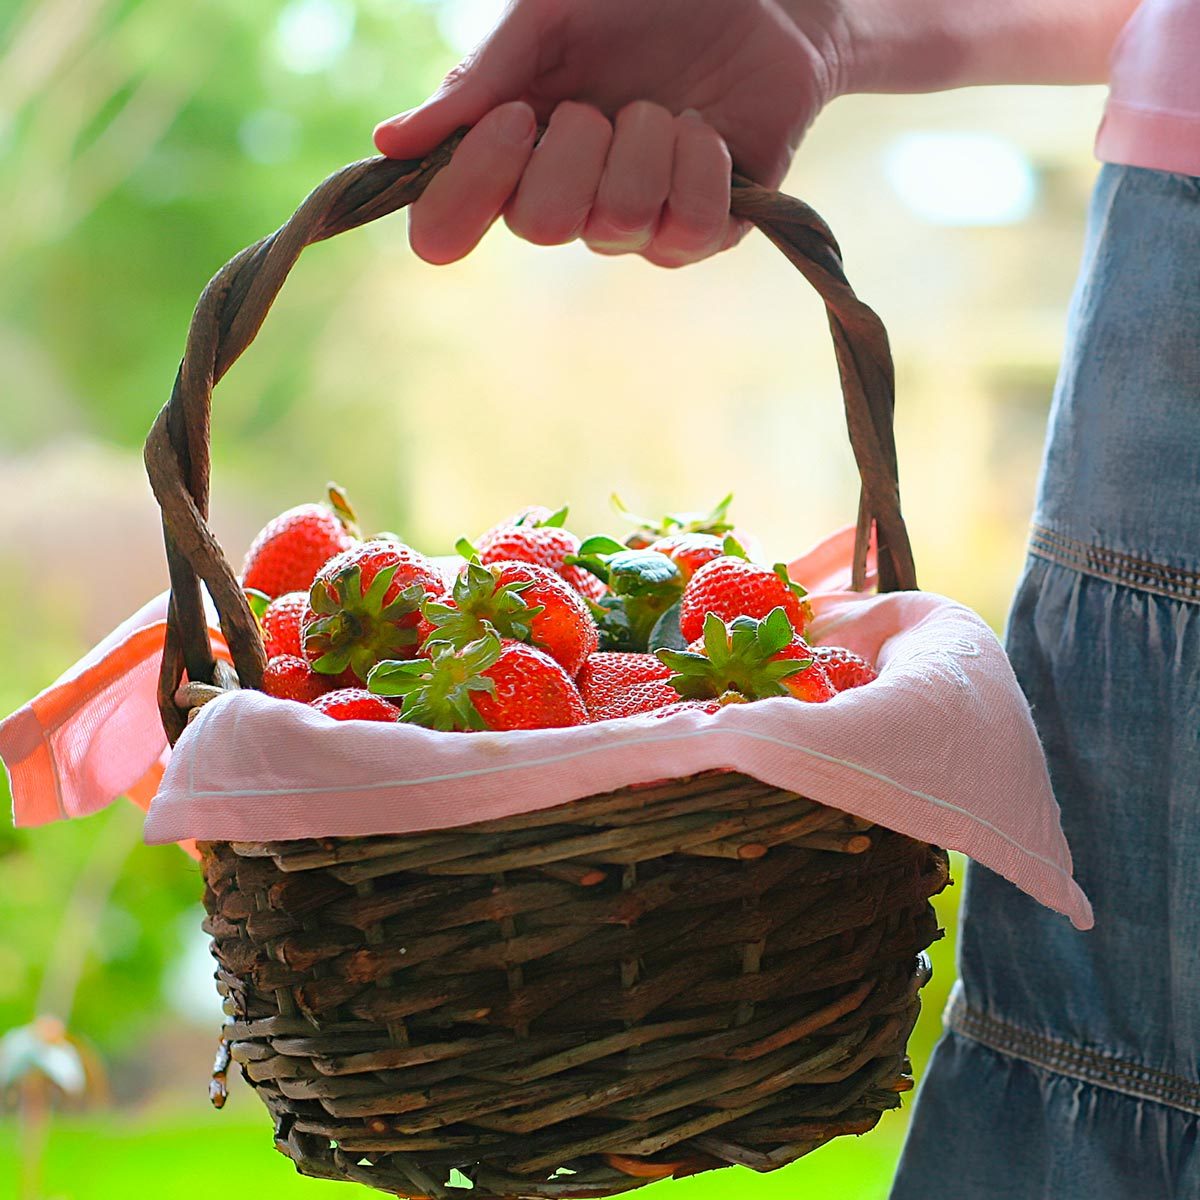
(616, 632)
(601, 545)
(258, 602)
(555, 520)
(437, 692)
(373, 596)
(716, 639)
(341, 505)
(774, 632)
(781, 570)
(396, 677)
(666, 633)
(635, 572)
(321, 599)
(595, 564)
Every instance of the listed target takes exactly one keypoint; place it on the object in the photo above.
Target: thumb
(501, 68)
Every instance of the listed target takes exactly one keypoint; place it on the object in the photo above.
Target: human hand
(646, 104)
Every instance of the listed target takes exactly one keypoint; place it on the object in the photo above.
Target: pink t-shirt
(1152, 118)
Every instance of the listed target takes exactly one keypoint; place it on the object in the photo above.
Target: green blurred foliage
(168, 137)
(147, 143)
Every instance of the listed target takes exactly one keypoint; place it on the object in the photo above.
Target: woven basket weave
(573, 1002)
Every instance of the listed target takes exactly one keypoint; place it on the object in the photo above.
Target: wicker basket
(573, 1002)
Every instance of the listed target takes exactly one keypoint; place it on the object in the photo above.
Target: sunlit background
(141, 145)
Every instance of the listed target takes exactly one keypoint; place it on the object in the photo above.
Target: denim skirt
(1070, 1066)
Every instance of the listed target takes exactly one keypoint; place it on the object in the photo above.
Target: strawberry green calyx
(792, 586)
(343, 509)
(480, 604)
(644, 585)
(258, 601)
(556, 520)
(715, 521)
(437, 693)
(355, 628)
(741, 658)
(733, 548)
(788, 582)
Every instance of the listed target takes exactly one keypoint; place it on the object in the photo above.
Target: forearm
(934, 45)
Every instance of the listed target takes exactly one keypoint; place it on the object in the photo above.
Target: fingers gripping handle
(236, 301)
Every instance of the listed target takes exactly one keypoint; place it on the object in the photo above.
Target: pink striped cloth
(941, 747)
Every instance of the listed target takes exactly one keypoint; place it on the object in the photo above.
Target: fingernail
(515, 123)
(692, 113)
(398, 119)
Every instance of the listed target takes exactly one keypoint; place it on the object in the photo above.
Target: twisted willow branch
(236, 301)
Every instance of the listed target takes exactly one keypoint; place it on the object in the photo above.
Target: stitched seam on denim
(1117, 558)
(1089, 1066)
(974, 1022)
(1115, 567)
(1086, 568)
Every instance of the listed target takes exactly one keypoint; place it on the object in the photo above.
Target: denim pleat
(1071, 1064)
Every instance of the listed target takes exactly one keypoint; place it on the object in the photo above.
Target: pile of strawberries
(530, 628)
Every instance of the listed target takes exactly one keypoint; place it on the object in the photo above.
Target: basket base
(577, 1002)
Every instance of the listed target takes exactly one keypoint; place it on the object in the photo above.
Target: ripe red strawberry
(289, 677)
(537, 537)
(355, 704)
(291, 549)
(584, 582)
(281, 621)
(364, 606)
(545, 545)
(751, 658)
(531, 514)
(732, 587)
(609, 677)
(844, 668)
(689, 551)
(488, 684)
(649, 696)
(518, 600)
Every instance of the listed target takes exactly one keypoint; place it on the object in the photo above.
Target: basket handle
(237, 299)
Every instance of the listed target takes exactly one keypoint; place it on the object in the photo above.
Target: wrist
(882, 46)
(934, 45)
(827, 30)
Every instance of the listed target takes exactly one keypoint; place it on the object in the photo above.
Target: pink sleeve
(1152, 118)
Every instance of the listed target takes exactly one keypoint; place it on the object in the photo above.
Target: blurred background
(143, 144)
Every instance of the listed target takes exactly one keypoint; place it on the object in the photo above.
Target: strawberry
(355, 704)
(648, 696)
(364, 606)
(752, 658)
(289, 677)
(608, 677)
(844, 668)
(518, 600)
(488, 684)
(291, 549)
(281, 621)
(531, 514)
(584, 582)
(689, 551)
(733, 587)
(536, 536)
